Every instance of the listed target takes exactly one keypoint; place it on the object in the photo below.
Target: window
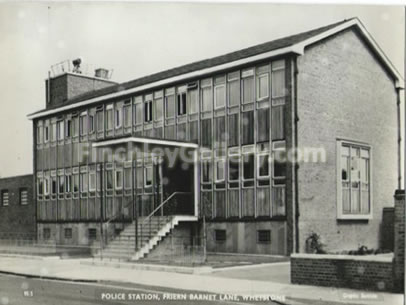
(247, 128)
(46, 186)
(92, 181)
(233, 170)
(264, 236)
(68, 233)
(119, 117)
(91, 123)
(279, 161)
(220, 170)
(61, 184)
(53, 185)
(263, 166)
(75, 126)
(278, 83)
(206, 95)
(92, 234)
(181, 103)
(4, 198)
(68, 183)
(100, 120)
(248, 86)
(206, 171)
(127, 178)
(68, 128)
(40, 186)
(262, 83)
(233, 88)
(23, 196)
(83, 182)
(82, 124)
(220, 235)
(46, 233)
(140, 177)
(193, 98)
(109, 117)
(119, 179)
(169, 106)
(219, 92)
(109, 179)
(127, 116)
(248, 167)
(159, 107)
(53, 132)
(46, 133)
(61, 125)
(148, 111)
(39, 134)
(148, 176)
(75, 183)
(354, 189)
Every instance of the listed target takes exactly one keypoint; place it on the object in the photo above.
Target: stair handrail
(162, 204)
(117, 214)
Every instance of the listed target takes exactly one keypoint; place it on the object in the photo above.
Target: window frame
(216, 162)
(181, 102)
(148, 111)
(6, 191)
(109, 109)
(259, 155)
(60, 129)
(360, 145)
(266, 242)
(83, 124)
(121, 179)
(146, 168)
(118, 117)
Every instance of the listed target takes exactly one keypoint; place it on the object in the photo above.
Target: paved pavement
(248, 280)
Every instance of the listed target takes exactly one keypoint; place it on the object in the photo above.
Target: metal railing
(162, 213)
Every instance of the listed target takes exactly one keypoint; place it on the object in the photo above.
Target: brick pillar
(399, 251)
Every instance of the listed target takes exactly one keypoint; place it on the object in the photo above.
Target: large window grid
(354, 196)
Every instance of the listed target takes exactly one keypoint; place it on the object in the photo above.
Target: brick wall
(17, 219)
(67, 86)
(399, 261)
(343, 92)
(357, 272)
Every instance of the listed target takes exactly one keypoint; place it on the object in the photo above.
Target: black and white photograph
(196, 152)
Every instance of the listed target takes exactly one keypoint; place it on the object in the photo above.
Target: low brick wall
(349, 271)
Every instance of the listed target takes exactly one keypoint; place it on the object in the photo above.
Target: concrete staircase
(150, 233)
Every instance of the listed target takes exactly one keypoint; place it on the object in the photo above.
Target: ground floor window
(353, 179)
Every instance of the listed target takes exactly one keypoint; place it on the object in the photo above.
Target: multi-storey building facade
(242, 114)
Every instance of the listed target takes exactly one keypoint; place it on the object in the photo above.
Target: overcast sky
(136, 39)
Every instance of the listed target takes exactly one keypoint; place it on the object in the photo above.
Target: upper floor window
(159, 106)
(206, 92)
(354, 181)
(92, 181)
(148, 111)
(46, 133)
(82, 124)
(75, 126)
(4, 198)
(91, 123)
(39, 134)
(100, 120)
(279, 162)
(193, 97)
(278, 83)
(109, 117)
(61, 125)
(219, 92)
(119, 179)
(181, 101)
(137, 110)
(119, 117)
(68, 183)
(233, 85)
(68, 128)
(61, 184)
(40, 186)
(53, 132)
(127, 115)
(247, 86)
(262, 82)
(169, 106)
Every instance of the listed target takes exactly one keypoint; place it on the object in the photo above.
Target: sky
(136, 39)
